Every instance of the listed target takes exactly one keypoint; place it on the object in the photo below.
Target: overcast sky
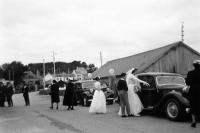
(80, 29)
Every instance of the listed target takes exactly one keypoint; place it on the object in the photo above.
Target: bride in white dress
(98, 104)
(134, 101)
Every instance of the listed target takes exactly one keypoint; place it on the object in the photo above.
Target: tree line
(15, 70)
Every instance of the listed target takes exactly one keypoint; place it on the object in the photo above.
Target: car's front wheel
(173, 109)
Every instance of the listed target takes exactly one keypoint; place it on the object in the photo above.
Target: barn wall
(167, 63)
(186, 58)
(178, 60)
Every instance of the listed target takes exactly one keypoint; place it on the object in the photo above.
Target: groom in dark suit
(122, 92)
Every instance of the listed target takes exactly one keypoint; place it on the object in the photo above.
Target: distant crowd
(6, 92)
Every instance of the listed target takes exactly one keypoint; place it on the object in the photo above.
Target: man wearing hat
(123, 95)
(193, 78)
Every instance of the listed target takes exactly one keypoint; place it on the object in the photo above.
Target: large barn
(174, 58)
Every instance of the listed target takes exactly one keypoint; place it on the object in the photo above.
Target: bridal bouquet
(137, 88)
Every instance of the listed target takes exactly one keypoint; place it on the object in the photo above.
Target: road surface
(38, 118)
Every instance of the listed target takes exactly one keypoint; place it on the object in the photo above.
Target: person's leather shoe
(123, 116)
(131, 115)
(193, 125)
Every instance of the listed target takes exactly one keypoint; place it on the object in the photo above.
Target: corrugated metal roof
(140, 61)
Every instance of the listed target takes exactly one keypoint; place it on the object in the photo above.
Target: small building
(80, 73)
(6, 81)
(64, 76)
(174, 58)
(31, 78)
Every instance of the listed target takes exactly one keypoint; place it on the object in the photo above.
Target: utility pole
(182, 31)
(44, 72)
(9, 74)
(68, 70)
(101, 58)
(54, 66)
(13, 74)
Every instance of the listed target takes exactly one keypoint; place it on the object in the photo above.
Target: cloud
(79, 30)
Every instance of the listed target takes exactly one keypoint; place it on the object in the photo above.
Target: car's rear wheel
(173, 109)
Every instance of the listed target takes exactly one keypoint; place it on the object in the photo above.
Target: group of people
(127, 87)
(130, 104)
(6, 92)
(69, 95)
(126, 90)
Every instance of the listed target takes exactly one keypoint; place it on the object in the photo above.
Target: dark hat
(123, 74)
(54, 81)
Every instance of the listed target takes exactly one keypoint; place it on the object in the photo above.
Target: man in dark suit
(9, 93)
(25, 91)
(123, 95)
(2, 95)
(54, 94)
(194, 91)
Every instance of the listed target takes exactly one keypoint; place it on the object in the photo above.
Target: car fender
(176, 95)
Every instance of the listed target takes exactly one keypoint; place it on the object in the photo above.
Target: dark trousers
(2, 100)
(26, 99)
(123, 95)
(9, 100)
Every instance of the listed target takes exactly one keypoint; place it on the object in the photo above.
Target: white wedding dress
(98, 104)
(134, 101)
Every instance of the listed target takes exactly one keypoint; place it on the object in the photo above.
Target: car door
(148, 93)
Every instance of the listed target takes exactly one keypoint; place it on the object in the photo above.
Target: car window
(149, 79)
(170, 80)
(88, 85)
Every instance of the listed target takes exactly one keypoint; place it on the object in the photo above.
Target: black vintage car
(165, 94)
(85, 91)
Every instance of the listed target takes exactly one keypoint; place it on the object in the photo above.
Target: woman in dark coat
(69, 96)
(194, 91)
(54, 94)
